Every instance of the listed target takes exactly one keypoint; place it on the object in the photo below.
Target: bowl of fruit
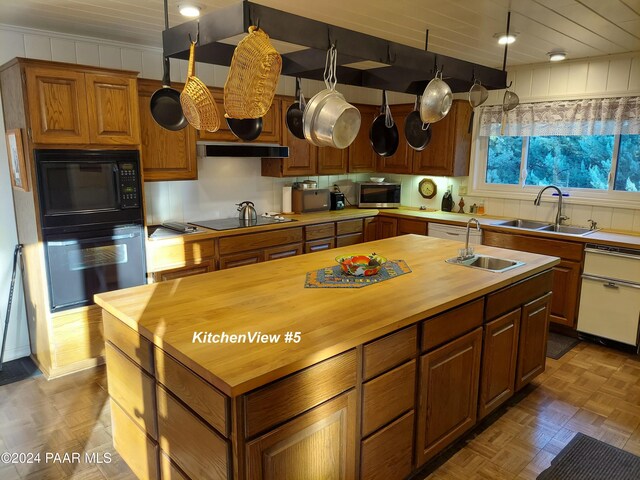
(361, 265)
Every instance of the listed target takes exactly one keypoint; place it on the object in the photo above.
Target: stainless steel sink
(521, 223)
(568, 229)
(545, 227)
(485, 262)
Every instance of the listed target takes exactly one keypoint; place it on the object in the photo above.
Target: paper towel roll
(286, 200)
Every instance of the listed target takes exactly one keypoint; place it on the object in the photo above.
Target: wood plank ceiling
(458, 28)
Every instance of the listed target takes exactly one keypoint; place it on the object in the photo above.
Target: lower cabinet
(500, 352)
(387, 228)
(418, 227)
(201, 267)
(534, 328)
(386, 455)
(449, 378)
(318, 245)
(320, 443)
(240, 259)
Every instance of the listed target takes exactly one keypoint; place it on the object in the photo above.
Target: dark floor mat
(558, 345)
(17, 370)
(585, 458)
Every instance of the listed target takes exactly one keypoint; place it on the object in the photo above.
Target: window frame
(478, 187)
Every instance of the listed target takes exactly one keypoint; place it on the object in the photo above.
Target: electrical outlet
(462, 190)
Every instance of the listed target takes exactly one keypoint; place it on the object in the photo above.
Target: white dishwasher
(610, 295)
(453, 232)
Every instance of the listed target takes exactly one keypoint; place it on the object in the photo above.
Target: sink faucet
(467, 252)
(559, 216)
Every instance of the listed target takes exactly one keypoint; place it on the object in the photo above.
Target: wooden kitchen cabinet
(448, 403)
(166, 155)
(282, 251)
(500, 352)
(401, 161)
(70, 105)
(318, 245)
(303, 156)
(386, 228)
(534, 328)
(566, 279)
(448, 151)
(240, 259)
(320, 443)
(370, 229)
(418, 227)
(379, 461)
(195, 269)
(332, 161)
(361, 156)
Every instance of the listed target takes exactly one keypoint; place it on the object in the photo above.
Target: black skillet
(246, 129)
(383, 133)
(417, 133)
(165, 102)
(295, 113)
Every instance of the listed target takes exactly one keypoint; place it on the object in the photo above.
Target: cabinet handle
(610, 285)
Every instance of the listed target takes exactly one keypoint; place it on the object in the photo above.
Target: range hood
(228, 149)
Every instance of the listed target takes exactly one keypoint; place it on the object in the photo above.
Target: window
(571, 161)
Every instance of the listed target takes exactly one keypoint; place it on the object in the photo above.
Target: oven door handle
(92, 240)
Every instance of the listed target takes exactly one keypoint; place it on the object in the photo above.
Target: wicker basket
(253, 76)
(198, 104)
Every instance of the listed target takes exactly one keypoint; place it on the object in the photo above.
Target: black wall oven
(92, 223)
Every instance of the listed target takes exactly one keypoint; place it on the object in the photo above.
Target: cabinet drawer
(195, 448)
(323, 230)
(169, 470)
(412, 226)
(533, 244)
(135, 448)
(257, 241)
(134, 345)
(387, 396)
(202, 398)
(240, 259)
(386, 455)
(132, 389)
(267, 407)
(349, 226)
(449, 325)
(282, 251)
(318, 245)
(166, 275)
(387, 352)
(163, 255)
(347, 240)
(513, 296)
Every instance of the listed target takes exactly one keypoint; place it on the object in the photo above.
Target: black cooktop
(232, 223)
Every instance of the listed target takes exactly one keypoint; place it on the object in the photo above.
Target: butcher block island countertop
(382, 378)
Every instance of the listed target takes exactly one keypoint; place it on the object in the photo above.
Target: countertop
(271, 298)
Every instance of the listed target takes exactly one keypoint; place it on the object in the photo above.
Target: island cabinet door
(449, 378)
(318, 444)
(499, 361)
(534, 328)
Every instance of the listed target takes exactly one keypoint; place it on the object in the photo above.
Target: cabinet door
(499, 361)
(203, 267)
(317, 444)
(419, 227)
(371, 229)
(240, 259)
(332, 161)
(166, 155)
(303, 156)
(387, 228)
(57, 106)
(399, 162)
(449, 378)
(534, 327)
(450, 145)
(566, 282)
(113, 110)
(361, 156)
(282, 251)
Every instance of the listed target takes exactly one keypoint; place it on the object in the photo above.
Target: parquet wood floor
(591, 389)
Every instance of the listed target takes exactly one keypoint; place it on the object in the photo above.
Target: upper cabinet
(448, 151)
(73, 106)
(361, 156)
(166, 155)
(400, 161)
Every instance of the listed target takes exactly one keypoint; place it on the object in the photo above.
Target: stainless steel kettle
(247, 212)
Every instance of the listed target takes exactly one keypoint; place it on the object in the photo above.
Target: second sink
(521, 223)
(485, 262)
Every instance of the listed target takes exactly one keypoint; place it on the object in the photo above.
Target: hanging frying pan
(383, 133)
(295, 113)
(165, 102)
(246, 129)
(417, 133)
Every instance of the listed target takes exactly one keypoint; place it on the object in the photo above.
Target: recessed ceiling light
(189, 10)
(557, 56)
(505, 39)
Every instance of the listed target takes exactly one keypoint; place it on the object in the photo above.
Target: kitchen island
(372, 383)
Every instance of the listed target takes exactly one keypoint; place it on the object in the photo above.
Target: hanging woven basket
(253, 76)
(198, 104)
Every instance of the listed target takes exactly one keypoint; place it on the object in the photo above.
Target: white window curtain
(595, 116)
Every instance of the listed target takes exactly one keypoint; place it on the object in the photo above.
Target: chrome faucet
(467, 252)
(559, 216)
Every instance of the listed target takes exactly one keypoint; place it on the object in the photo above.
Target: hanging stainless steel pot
(436, 100)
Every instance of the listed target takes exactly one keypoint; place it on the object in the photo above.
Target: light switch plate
(462, 190)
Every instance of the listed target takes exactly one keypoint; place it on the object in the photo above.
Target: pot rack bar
(407, 69)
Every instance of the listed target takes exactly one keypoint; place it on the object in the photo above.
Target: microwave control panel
(129, 185)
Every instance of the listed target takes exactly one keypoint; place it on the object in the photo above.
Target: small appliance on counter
(379, 194)
(337, 200)
(247, 213)
(447, 202)
(306, 200)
